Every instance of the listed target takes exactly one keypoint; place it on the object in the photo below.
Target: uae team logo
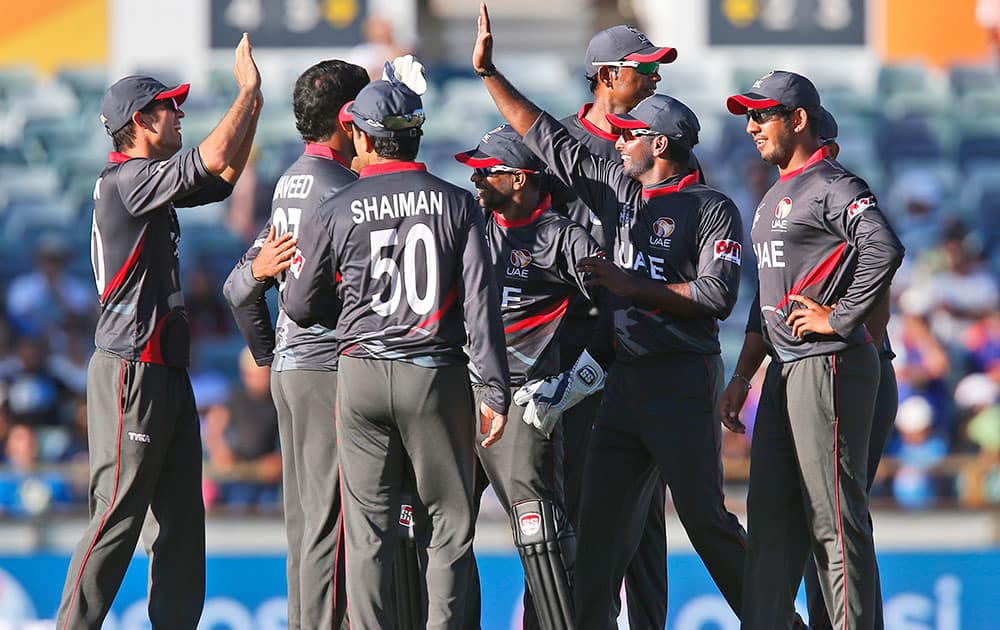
(520, 258)
(781, 212)
(662, 229)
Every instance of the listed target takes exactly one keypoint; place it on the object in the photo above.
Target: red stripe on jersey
(591, 127)
(118, 158)
(689, 180)
(821, 154)
(544, 203)
(323, 151)
(119, 277)
(391, 167)
(542, 318)
(152, 352)
(448, 301)
(818, 273)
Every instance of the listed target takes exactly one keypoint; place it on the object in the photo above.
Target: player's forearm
(673, 298)
(751, 355)
(239, 161)
(220, 147)
(514, 106)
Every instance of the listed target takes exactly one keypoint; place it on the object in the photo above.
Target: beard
(636, 167)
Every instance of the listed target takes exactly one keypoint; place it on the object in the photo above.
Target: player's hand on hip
(730, 404)
(245, 69)
(812, 318)
(275, 255)
(492, 423)
(482, 54)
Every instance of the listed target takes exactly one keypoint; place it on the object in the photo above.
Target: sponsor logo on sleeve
(298, 261)
(530, 523)
(727, 249)
(860, 206)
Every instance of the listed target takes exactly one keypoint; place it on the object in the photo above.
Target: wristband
(742, 379)
(488, 72)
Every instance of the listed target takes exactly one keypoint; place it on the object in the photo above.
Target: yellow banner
(51, 34)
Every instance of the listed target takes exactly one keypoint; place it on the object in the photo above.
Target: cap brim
(663, 54)
(739, 103)
(344, 115)
(179, 93)
(477, 159)
(626, 121)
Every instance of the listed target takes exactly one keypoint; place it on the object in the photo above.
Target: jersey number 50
(383, 263)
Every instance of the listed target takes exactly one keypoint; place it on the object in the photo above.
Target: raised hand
(482, 54)
(245, 69)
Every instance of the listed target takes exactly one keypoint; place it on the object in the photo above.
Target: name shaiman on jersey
(396, 205)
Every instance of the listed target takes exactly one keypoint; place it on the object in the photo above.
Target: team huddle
(555, 338)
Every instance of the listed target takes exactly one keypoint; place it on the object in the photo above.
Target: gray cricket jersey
(678, 231)
(416, 273)
(311, 179)
(819, 232)
(534, 261)
(133, 250)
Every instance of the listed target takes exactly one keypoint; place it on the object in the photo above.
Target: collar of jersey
(688, 180)
(118, 158)
(821, 154)
(544, 203)
(591, 127)
(323, 151)
(391, 167)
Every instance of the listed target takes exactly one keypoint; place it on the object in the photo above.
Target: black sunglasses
(500, 169)
(761, 116)
(169, 103)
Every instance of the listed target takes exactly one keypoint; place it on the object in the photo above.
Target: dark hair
(124, 138)
(319, 94)
(594, 79)
(681, 156)
(812, 122)
(396, 148)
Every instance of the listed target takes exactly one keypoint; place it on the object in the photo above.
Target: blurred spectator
(921, 363)
(988, 16)
(380, 45)
(913, 486)
(44, 301)
(241, 437)
(208, 315)
(25, 489)
(917, 217)
(981, 342)
(758, 176)
(976, 395)
(250, 203)
(34, 395)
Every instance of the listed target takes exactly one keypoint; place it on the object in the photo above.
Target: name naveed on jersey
(397, 205)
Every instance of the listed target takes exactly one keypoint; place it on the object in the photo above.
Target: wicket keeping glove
(408, 71)
(545, 400)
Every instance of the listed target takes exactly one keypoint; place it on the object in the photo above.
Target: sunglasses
(643, 67)
(168, 103)
(500, 169)
(761, 116)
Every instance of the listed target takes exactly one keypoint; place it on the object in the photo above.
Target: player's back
(399, 237)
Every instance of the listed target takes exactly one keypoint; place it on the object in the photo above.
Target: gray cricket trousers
(886, 404)
(306, 404)
(387, 410)
(144, 442)
(808, 489)
(523, 465)
(658, 417)
(646, 574)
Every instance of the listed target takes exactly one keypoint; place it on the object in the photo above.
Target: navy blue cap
(827, 126)
(663, 114)
(623, 43)
(132, 94)
(501, 146)
(388, 108)
(775, 88)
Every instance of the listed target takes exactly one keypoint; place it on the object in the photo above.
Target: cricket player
(304, 360)
(675, 274)
(415, 276)
(825, 258)
(535, 252)
(143, 427)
